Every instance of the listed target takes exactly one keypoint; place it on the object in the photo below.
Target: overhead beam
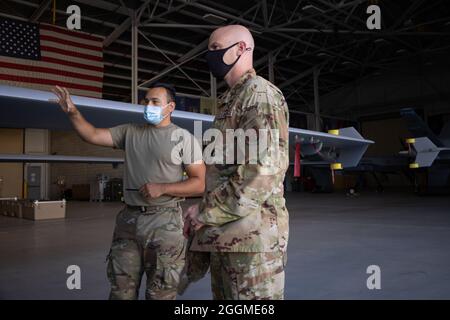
(127, 22)
(154, 61)
(141, 71)
(225, 14)
(113, 36)
(179, 25)
(44, 5)
(176, 65)
(105, 5)
(296, 78)
(358, 32)
(265, 13)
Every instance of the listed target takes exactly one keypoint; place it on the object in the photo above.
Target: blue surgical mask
(153, 114)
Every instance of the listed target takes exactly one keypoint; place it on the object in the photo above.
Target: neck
(164, 123)
(236, 73)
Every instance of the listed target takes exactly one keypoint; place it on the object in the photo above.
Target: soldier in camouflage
(242, 221)
(148, 236)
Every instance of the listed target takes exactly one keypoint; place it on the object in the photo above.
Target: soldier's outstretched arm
(89, 133)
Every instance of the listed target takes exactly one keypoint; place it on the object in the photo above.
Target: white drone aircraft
(28, 108)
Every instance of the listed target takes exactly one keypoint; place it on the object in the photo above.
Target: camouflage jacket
(243, 207)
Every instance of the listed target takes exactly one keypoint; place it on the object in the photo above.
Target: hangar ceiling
(297, 36)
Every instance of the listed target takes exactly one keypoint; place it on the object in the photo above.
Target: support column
(316, 73)
(134, 57)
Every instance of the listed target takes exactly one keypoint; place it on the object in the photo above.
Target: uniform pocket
(125, 225)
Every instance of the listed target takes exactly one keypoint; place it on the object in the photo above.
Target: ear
(171, 106)
(242, 47)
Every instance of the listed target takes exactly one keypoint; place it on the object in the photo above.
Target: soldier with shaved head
(242, 221)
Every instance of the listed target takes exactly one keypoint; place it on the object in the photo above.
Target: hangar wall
(11, 174)
(412, 86)
(388, 134)
(69, 143)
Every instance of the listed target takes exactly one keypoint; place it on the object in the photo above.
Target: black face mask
(214, 58)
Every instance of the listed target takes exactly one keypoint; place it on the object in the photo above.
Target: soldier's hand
(192, 210)
(187, 228)
(152, 190)
(191, 217)
(64, 100)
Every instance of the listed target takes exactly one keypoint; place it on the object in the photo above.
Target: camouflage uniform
(244, 207)
(150, 242)
(247, 276)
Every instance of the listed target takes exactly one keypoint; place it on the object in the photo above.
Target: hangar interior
(391, 85)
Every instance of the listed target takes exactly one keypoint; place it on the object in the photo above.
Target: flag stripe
(52, 77)
(29, 62)
(79, 35)
(63, 57)
(70, 38)
(70, 43)
(49, 82)
(71, 53)
(45, 43)
(60, 72)
(71, 63)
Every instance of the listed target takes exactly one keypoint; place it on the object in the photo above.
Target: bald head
(228, 35)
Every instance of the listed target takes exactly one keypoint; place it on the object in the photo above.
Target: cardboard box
(43, 210)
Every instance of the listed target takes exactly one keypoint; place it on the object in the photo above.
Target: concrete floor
(333, 240)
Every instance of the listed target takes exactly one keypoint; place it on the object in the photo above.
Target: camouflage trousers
(152, 243)
(247, 276)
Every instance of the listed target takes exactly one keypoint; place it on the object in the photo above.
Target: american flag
(40, 56)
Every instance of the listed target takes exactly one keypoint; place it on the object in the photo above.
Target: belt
(144, 209)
